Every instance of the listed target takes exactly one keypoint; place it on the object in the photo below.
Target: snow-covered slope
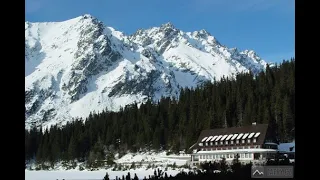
(78, 66)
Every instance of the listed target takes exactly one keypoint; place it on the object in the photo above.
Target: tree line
(171, 124)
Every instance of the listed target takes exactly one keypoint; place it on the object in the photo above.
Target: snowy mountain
(78, 66)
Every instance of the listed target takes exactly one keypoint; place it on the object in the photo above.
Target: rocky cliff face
(79, 66)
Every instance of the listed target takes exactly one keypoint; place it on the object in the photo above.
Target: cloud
(34, 5)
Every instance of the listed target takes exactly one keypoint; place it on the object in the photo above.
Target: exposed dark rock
(145, 86)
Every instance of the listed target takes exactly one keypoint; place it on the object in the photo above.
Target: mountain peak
(250, 53)
(203, 31)
(88, 16)
(79, 66)
(167, 25)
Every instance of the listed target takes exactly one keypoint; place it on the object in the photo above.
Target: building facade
(250, 143)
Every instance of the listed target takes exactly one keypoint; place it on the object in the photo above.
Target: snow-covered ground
(152, 159)
(75, 174)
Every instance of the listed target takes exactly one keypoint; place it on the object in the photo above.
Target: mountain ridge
(80, 65)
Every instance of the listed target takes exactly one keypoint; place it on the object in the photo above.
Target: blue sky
(265, 26)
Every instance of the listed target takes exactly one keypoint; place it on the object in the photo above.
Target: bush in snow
(133, 165)
(81, 168)
(174, 166)
(114, 167)
(119, 167)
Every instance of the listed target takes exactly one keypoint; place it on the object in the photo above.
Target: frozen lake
(86, 175)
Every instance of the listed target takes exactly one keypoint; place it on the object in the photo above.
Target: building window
(247, 155)
(218, 156)
(237, 141)
(214, 156)
(242, 155)
(222, 156)
(211, 143)
(248, 140)
(226, 142)
(221, 142)
(231, 156)
(228, 156)
(250, 155)
(243, 141)
(254, 140)
(231, 142)
(216, 142)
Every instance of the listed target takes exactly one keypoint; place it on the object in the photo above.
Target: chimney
(254, 123)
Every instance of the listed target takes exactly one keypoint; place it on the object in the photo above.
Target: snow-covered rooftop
(214, 137)
(237, 151)
(245, 135)
(251, 134)
(234, 136)
(257, 134)
(223, 137)
(209, 138)
(230, 135)
(218, 137)
(204, 139)
(240, 135)
(285, 147)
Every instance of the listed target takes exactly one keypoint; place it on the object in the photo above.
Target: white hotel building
(250, 143)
